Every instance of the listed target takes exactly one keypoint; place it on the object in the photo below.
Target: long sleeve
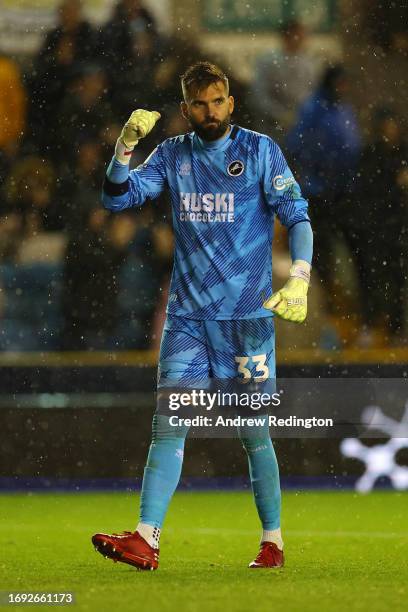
(123, 189)
(280, 188)
(301, 241)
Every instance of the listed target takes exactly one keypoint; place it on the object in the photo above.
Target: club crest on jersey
(235, 168)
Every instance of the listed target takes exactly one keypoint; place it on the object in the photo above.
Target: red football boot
(128, 547)
(269, 556)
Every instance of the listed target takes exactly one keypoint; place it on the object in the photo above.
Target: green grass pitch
(344, 552)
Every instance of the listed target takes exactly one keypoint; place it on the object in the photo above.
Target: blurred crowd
(73, 276)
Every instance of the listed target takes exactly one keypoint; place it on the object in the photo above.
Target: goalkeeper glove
(290, 302)
(139, 124)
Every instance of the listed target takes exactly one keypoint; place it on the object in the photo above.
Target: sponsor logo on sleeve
(280, 182)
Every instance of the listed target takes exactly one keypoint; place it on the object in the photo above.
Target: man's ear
(184, 110)
(231, 103)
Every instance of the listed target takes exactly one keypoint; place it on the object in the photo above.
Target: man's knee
(255, 444)
(163, 431)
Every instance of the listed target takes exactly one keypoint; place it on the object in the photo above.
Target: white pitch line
(294, 532)
(349, 534)
(250, 532)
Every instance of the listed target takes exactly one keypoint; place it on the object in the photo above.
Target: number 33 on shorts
(259, 361)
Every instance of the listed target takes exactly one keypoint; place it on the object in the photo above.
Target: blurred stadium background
(82, 293)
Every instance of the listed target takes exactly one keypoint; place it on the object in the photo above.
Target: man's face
(209, 111)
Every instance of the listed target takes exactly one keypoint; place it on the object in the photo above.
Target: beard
(211, 130)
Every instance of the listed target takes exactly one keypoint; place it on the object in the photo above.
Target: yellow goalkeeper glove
(139, 124)
(290, 302)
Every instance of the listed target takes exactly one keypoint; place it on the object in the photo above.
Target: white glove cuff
(122, 152)
(301, 269)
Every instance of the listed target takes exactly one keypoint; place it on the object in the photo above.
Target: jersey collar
(215, 144)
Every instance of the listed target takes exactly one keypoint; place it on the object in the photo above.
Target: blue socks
(264, 474)
(163, 470)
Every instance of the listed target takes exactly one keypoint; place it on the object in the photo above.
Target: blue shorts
(200, 350)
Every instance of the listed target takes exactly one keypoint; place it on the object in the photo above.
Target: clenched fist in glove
(290, 302)
(139, 124)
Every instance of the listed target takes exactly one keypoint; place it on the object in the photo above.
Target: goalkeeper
(226, 185)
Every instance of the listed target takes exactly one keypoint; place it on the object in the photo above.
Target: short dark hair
(201, 75)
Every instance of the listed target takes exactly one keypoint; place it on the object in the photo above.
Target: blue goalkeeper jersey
(224, 197)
